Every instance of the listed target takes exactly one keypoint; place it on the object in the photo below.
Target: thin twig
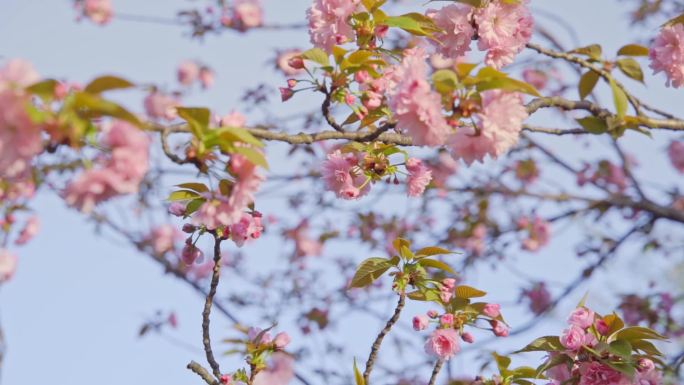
(435, 372)
(378, 340)
(206, 340)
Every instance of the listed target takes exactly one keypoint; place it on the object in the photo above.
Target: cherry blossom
(328, 24)
(667, 54)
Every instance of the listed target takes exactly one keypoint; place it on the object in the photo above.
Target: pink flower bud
(177, 209)
(206, 77)
(362, 77)
(190, 254)
(499, 328)
(492, 310)
(296, 62)
(420, 322)
(602, 327)
(644, 365)
(349, 99)
(581, 317)
(449, 283)
(432, 314)
(291, 83)
(467, 337)
(173, 320)
(225, 379)
(446, 319)
(381, 31)
(281, 340)
(286, 94)
(189, 228)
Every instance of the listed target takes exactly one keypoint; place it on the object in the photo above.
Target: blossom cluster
(590, 354)
(444, 341)
(667, 54)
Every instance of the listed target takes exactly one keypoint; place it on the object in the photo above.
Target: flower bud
(281, 340)
(189, 228)
(467, 337)
(286, 94)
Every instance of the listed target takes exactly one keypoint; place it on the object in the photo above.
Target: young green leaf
(593, 51)
(543, 344)
(593, 125)
(426, 262)
(587, 83)
(633, 50)
(631, 68)
(619, 99)
(433, 250)
(368, 271)
(316, 55)
(106, 83)
(182, 195)
(468, 292)
(621, 348)
(357, 375)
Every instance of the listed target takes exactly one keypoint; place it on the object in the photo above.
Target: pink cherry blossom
(454, 19)
(8, 265)
(499, 328)
(284, 65)
(233, 119)
(305, 245)
(446, 319)
(535, 77)
(163, 238)
(419, 177)
(248, 227)
(558, 374)
(247, 14)
(328, 22)
(492, 310)
(20, 138)
(98, 11)
(443, 344)
(206, 77)
(280, 371)
(341, 177)
(118, 173)
(160, 106)
(416, 107)
(539, 297)
(573, 338)
(581, 317)
(538, 232)
(281, 340)
(596, 373)
(499, 123)
(190, 254)
(667, 54)
(29, 231)
(187, 72)
(177, 209)
(676, 153)
(503, 30)
(449, 283)
(420, 322)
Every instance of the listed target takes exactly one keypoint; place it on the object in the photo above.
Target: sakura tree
(410, 152)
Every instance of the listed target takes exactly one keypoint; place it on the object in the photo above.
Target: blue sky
(72, 312)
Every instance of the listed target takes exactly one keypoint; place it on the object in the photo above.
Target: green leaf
(636, 333)
(182, 195)
(238, 134)
(225, 187)
(255, 156)
(445, 81)
(646, 347)
(559, 359)
(502, 362)
(593, 51)
(619, 99)
(631, 68)
(426, 262)
(316, 55)
(45, 88)
(474, 3)
(413, 23)
(426, 295)
(193, 206)
(587, 83)
(524, 372)
(433, 250)
(107, 83)
(197, 118)
(507, 84)
(593, 125)
(199, 187)
(92, 106)
(465, 291)
(543, 344)
(614, 323)
(357, 375)
(406, 253)
(399, 242)
(621, 348)
(368, 271)
(633, 50)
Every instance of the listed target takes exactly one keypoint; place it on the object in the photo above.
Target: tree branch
(435, 372)
(378, 340)
(206, 340)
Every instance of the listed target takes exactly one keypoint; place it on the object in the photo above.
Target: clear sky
(72, 312)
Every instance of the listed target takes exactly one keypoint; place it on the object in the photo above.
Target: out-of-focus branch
(206, 313)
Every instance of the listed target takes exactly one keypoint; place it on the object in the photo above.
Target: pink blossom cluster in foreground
(117, 172)
(501, 29)
(667, 54)
(584, 330)
(444, 341)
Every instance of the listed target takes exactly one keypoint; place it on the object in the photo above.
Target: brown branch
(203, 373)
(378, 340)
(435, 372)
(206, 340)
